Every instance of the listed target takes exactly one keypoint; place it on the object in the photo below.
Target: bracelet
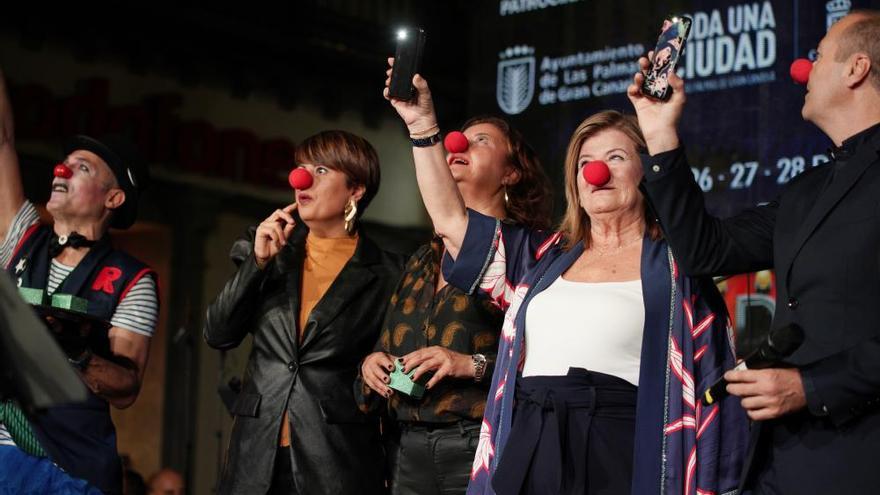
(430, 131)
(427, 142)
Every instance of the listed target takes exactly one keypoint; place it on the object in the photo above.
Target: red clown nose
(596, 173)
(62, 171)
(800, 70)
(455, 142)
(300, 178)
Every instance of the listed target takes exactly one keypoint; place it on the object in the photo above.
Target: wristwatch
(427, 142)
(479, 367)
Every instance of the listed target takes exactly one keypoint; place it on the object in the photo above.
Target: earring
(351, 210)
(506, 198)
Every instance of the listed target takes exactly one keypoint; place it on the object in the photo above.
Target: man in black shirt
(817, 426)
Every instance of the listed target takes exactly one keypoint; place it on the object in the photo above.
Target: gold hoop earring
(351, 210)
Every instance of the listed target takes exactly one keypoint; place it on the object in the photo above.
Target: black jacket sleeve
(845, 385)
(229, 316)
(705, 245)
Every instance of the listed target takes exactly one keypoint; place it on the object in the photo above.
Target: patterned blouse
(418, 317)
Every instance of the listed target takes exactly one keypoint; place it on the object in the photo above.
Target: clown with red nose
(100, 303)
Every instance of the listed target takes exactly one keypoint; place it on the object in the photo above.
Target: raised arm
(11, 192)
(439, 192)
(703, 244)
(657, 119)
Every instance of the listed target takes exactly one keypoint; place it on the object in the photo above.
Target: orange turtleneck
(325, 258)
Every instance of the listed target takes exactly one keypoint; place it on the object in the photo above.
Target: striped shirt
(5, 439)
(137, 312)
(26, 216)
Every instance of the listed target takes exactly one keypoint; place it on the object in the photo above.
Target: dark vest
(80, 438)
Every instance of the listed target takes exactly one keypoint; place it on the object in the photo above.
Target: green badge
(70, 302)
(34, 297)
(402, 382)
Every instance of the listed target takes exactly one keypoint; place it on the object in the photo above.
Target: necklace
(614, 250)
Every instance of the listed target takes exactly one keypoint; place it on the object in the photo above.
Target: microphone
(778, 345)
(596, 173)
(800, 70)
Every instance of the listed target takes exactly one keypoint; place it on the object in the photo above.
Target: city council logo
(836, 10)
(516, 79)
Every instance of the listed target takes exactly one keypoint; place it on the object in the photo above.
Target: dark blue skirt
(571, 434)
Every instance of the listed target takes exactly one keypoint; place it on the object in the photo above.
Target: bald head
(166, 482)
(861, 34)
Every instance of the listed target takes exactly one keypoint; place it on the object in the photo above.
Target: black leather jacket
(335, 448)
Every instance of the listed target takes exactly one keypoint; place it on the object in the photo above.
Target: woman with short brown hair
(312, 290)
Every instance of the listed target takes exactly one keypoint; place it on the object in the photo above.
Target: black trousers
(571, 434)
(433, 459)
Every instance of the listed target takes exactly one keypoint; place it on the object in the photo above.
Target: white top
(595, 326)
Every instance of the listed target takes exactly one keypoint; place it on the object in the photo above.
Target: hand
(657, 119)
(418, 114)
(768, 393)
(375, 370)
(272, 234)
(440, 360)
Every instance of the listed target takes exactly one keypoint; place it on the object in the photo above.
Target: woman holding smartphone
(605, 343)
(450, 337)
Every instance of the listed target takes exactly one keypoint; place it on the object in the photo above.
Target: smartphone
(407, 62)
(670, 46)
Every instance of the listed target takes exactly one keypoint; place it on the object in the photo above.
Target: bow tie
(74, 240)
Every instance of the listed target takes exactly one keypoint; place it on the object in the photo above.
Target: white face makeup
(84, 195)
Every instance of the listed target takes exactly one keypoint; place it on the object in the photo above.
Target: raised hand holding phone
(670, 46)
(659, 99)
(407, 63)
(417, 113)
